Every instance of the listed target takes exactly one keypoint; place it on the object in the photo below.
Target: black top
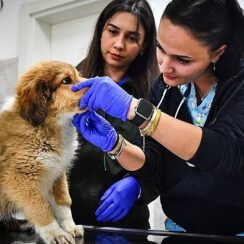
(207, 198)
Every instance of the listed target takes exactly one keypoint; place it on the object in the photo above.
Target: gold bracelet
(152, 124)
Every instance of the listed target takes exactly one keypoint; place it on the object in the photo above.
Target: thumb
(76, 119)
(94, 116)
(80, 121)
(107, 193)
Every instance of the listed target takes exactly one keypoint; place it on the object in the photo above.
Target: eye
(67, 80)
(133, 37)
(159, 47)
(183, 61)
(113, 32)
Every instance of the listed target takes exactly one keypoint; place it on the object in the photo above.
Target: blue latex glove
(95, 129)
(118, 200)
(105, 94)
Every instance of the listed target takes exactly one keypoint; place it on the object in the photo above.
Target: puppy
(36, 148)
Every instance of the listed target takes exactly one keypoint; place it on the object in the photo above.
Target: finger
(76, 118)
(104, 206)
(92, 102)
(76, 121)
(81, 122)
(95, 117)
(113, 214)
(85, 99)
(107, 193)
(120, 216)
(105, 214)
(83, 84)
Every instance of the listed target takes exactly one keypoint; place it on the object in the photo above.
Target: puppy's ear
(33, 102)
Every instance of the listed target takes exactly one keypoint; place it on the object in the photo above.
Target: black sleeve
(222, 145)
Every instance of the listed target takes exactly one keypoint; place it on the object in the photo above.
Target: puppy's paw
(60, 238)
(79, 231)
(70, 227)
(53, 234)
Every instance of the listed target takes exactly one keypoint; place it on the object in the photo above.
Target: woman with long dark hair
(123, 48)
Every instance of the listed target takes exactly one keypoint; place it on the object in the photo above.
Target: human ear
(218, 53)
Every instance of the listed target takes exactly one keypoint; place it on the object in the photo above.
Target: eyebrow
(178, 56)
(131, 32)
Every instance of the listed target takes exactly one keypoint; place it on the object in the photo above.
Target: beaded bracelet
(118, 148)
(152, 124)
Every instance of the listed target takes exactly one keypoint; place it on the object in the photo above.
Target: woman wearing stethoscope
(192, 128)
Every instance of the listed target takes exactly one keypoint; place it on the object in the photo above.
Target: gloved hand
(105, 94)
(118, 200)
(95, 129)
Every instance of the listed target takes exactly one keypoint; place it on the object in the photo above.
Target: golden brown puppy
(36, 146)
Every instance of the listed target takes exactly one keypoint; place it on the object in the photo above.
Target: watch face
(144, 109)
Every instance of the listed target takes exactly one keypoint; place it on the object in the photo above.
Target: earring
(214, 67)
(141, 53)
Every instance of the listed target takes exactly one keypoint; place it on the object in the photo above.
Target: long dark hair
(1, 5)
(144, 68)
(214, 23)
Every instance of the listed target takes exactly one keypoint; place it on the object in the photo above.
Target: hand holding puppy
(104, 94)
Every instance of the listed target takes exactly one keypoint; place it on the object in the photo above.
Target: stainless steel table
(107, 235)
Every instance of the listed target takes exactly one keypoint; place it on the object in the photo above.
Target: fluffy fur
(36, 147)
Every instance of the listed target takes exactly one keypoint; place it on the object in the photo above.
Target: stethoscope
(185, 95)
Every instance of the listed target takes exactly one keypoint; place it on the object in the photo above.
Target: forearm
(179, 137)
(132, 157)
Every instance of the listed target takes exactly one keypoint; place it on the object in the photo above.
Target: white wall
(9, 29)
(9, 18)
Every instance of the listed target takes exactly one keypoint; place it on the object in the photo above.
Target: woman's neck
(204, 84)
(115, 74)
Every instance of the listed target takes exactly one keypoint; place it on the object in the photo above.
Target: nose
(165, 64)
(119, 43)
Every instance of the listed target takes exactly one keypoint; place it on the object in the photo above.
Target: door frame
(36, 20)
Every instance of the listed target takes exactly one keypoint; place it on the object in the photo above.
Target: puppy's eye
(67, 80)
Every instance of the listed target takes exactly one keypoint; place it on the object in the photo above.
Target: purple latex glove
(118, 200)
(104, 94)
(95, 129)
